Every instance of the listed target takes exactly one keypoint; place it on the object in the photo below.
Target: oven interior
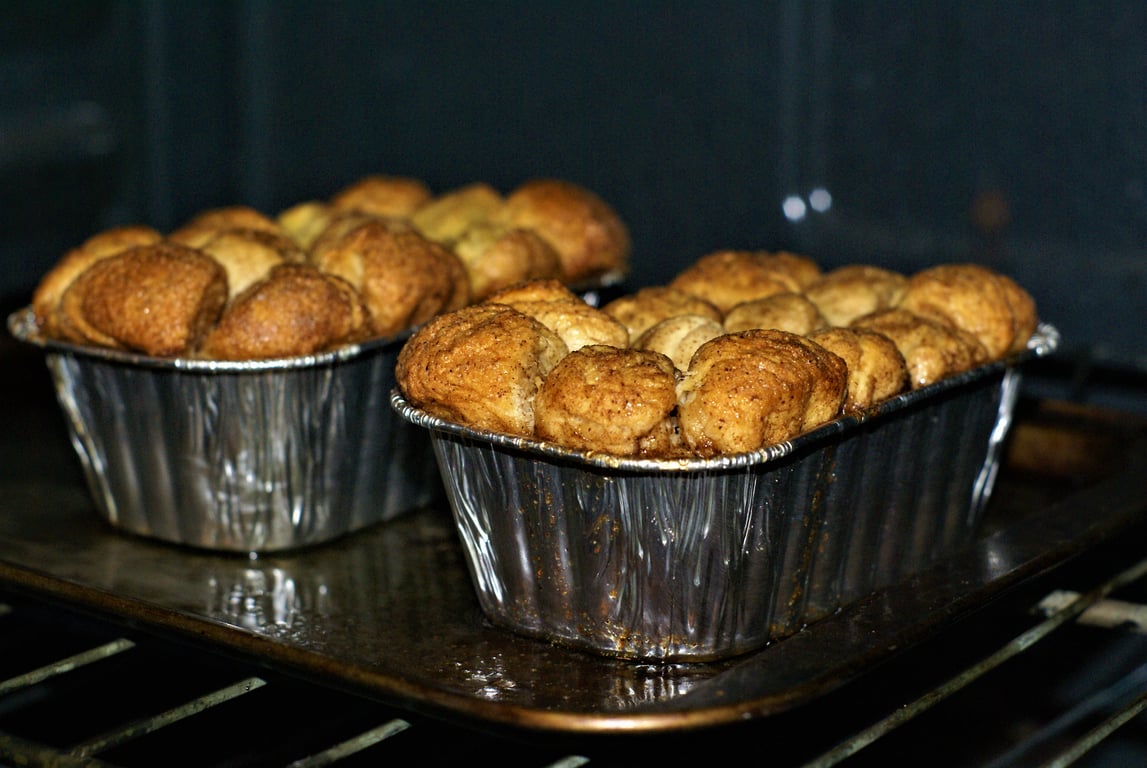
(892, 133)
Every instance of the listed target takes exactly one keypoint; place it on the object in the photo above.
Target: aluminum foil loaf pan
(695, 560)
(247, 457)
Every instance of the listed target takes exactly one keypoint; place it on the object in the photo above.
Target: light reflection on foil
(629, 686)
(651, 683)
(490, 682)
(259, 600)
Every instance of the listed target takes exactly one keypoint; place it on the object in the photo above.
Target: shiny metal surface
(390, 610)
(706, 559)
(239, 456)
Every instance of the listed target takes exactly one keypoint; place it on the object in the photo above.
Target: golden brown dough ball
(404, 278)
(588, 235)
(729, 277)
(497, 258)
(535, 291)
(641, 310)
(341, 222)
(48, 292)
(305, 221)
(249, 255)
(448, 216)
(932, 349)
(551, 303)
(616, 401)
(205, 224)
(480, 366)
(746, 391)
(678, 337)
(785, 311)
(295, 309)
(157, 299)
(384, 196)
(975, 299)
(847, 292)
(545, 229)
(876, 369)
(118, 239)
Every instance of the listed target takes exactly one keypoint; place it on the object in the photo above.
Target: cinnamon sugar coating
(157, 299)
(480, 366)
(785, 311)
(729, 277)
(648, 306)
(845, 293)
(876, 368)
(932, 349)
(588, 235)
(617, 400)
(249, 255)
(498, 257)
(48, 293)
(745, 391)
(383, 195)
(678, 337)
(445, 218)
(207, 223)
(567, 314)
(977, 300)
(305, 221)
(404, 278)
(295, 309)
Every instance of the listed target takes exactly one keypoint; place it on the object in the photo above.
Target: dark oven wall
(895, 133)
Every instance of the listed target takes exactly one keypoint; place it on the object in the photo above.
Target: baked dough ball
(785, 311)
(293, 310)
(158, 299)
(985, 303)
(588, 235)
(48, 292)
(641, 310)
(932, 349)
(876, 369)
(383, 196)
(729, 277)
(678, 337)
(746, 391)
(533, 291)
(305, 221)
(404, 278)
(205, 224)
(847, 292)
(340, 223)
(448, 216)
(479, 366)
(249, 255)
(616, 401)
(551, 303)
(497, 258)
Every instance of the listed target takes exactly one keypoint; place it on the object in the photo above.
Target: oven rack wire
(304, 724)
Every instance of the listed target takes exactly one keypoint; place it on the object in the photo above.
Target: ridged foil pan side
(706, 559)
(245, 457)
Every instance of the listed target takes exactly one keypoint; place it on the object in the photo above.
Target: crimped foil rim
(22, 324)
(1043, 342)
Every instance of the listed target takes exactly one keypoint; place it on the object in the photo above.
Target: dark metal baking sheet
(389, 611)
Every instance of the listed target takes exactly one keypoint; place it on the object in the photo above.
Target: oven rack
(79, 689)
